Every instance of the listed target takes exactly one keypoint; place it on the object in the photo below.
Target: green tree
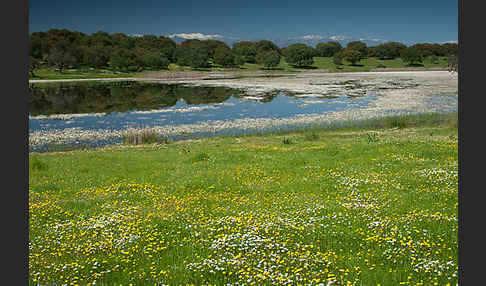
(352, 56)
(146, 42)
(154, 44)
(328, 49)
(428, 49)
(284, 51)
(167, 47)
(154, 60)
(299, 55)
(38, 45)
(239, 60)
(35, 46)
(269, 59)
(192, 53)
(101, 38)
(411, 55)
(95, 56)
(266, 46)
(433, 59)
(450, 49)
(224, 57)
(358, 46)
(60, 59)
(33, 65)
(213, 45)
(388, 50)
(371, 52)
(123, 60)
(338, 59)
(123, 41)
(247, 50)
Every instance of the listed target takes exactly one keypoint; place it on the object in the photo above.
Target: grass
(146, 136)
(50, 73)
(362, 204)
(368, 64)
(320, 63)
(371, 63)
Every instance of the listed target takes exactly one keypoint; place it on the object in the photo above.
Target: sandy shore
(400, 92)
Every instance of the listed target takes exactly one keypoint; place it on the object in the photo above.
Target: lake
(92, 114)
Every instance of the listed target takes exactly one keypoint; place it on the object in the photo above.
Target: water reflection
(98, 113)
(107, 97)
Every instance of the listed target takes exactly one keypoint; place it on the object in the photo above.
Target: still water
(94, 106)
(147, 105)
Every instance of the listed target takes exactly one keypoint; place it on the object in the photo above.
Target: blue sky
(404, 21)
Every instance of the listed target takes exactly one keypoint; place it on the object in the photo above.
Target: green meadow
(320, 63)
(370, 203)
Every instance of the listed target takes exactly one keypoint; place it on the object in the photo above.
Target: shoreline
(173, 76)
(398, 93)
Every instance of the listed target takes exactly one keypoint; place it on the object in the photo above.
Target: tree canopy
(352, 56)
(358, 46)
(247, 50)
(388, 51)
(62, 49)
(299, 55)
(411, 55)
(224, 57)
(266, 46)
(328, 49)
(193, 53)
(269, 59)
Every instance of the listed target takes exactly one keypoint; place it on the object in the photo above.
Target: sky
(410, 21)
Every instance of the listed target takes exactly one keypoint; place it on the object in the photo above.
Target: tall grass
(145, 136)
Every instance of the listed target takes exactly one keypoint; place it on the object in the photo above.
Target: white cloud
(311, 37)
(198, 36)
(450, 42)
(338, 38)
(372, 40)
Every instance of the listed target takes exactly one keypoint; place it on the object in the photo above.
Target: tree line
(62, 49)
